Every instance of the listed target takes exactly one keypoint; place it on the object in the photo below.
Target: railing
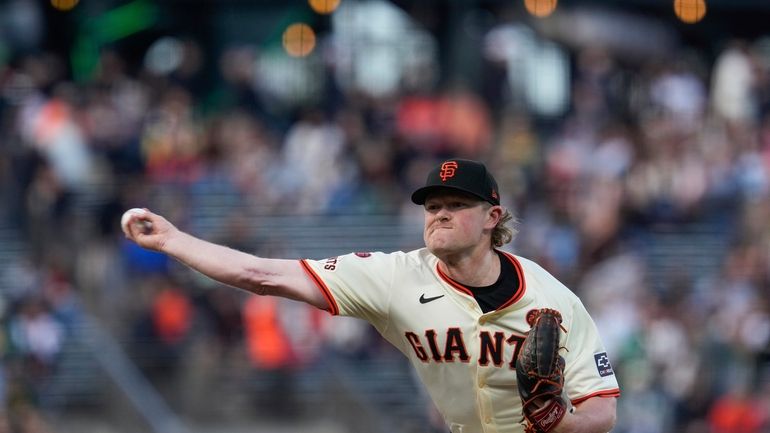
(91, 357)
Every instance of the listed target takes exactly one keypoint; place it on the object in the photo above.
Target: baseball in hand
(144, 226)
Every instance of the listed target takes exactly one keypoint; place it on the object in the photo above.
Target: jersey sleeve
(356, 285)
(588, 371)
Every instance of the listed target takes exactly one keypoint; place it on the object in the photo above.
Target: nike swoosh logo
(424, 300)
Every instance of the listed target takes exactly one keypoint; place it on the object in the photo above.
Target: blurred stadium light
(324, 6)
(690, 11)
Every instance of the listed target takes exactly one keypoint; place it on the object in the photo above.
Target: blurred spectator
(161, 333)
(37, 338)
(271, 354)
(733, 85)
(314, 163)
(171, 315)
(739, 411)
(48, 124)
(679, 92)
(172, 142)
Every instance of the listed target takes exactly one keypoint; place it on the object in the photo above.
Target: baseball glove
(540, 373)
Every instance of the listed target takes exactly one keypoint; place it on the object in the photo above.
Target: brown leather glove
(540, 373)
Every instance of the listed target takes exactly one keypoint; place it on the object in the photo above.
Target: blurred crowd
(646, 147)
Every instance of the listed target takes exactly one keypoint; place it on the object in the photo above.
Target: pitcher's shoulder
(418, 258)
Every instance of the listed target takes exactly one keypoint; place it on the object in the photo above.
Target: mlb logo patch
(603, 364)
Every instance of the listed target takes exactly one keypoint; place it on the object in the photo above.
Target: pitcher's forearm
(595, 415)
(263, 276)
(221, 263)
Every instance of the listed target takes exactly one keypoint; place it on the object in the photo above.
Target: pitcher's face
(455, 221)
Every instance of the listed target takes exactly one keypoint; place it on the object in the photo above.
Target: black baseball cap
(462, 175)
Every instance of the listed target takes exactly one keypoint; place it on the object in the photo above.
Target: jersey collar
(517, 295)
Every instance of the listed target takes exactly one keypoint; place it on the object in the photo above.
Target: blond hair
(502, 234)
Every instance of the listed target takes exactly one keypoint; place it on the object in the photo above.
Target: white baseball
(144, 225)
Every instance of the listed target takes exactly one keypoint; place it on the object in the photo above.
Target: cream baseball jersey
(464, 357)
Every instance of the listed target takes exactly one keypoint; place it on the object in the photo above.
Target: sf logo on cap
(447, 170)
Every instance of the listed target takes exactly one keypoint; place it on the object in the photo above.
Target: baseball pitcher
(500, 344)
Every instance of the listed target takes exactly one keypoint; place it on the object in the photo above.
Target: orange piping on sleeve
(333, 309)
(615, 392)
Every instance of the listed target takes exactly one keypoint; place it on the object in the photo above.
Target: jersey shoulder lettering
(360, 284)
